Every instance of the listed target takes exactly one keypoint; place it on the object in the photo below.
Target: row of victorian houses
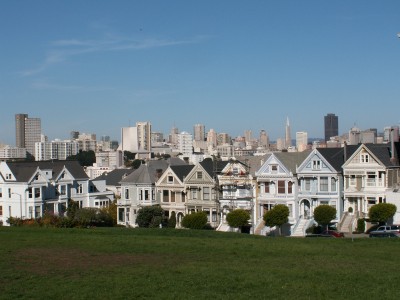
(351, 179)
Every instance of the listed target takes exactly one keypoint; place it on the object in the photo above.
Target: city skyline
(229, 65)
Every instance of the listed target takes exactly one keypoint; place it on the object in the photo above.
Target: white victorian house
(170, 187)
(29, 189)
(369, 173)
(236, 184)
(277, 184)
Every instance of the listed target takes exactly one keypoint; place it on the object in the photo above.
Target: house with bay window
(320, 180)
(277, 184)
(202, 190)
(138, 189)
(171, 190)
(29, 189)
(236, 184)
(369, 173)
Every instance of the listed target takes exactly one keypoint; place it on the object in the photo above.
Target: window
(140, 194)
(126, 193)
(194, 193)
(37, 176)
(170, 179)
(274, 168)
(266, 187)
(199, 175)
(364, 158)
(172, 196)
(146, 195)
(30, 194)
(281, 187)
(183, 196)
(1, 210)
(206, 193)
(1, 193)
(9, 194)
(352, 180)
(214, 215)
(290, 187)
(165, 195)
(8, 176)
(316, 165)
(80, 188)
(307, 184)
(153, 194)
(207, 211)
(121, 214)
(323, 184)
(37, 211)
(333, 184)
(37, 192)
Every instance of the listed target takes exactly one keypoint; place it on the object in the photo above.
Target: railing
(297, 224)
(369, 182)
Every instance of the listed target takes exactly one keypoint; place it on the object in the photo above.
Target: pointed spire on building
(288, 138)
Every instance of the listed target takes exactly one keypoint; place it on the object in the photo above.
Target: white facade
(8, 152)
(185, 143)
(301, 140)
(57, 149)
(129, 139)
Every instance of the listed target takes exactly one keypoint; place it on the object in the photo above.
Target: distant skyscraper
(301, 140)
(27, 132)
(212, 137)
(264, 139)
(248, 136)
(288, 137)
(144, 135)
(331, 126)
(199, 132)
(185, 143)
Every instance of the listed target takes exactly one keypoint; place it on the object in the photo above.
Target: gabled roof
(211, 168)
(291, 160)
(335, 156)
(254, 162)
(147, 173)
(182, 171)
(383, 153)
(114, 177)
(23, 171)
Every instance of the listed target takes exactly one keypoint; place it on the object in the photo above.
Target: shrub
(350, 209)
(238, 218)
(150, 216)
(14, 221)
(277, 216)
(382, 212)
(197, 220)
(172, 220)
(324, 214)
(360, 225)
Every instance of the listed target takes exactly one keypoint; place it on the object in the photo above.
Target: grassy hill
(120, 263)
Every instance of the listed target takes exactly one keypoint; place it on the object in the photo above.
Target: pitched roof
(335, 156)
(23, 171)
(291, 160)
(211, 168)
(254, 163)
(114, 177)
(147, 173)
(383, 153)
(182, 170)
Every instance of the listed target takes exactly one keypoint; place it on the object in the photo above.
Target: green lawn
(119, 263)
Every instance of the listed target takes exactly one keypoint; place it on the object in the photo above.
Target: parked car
(386, 228)
(384, 234)
(333, 233)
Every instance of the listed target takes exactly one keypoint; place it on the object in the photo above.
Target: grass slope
(119, 263)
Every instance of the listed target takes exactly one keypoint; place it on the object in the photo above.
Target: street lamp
(20, 204)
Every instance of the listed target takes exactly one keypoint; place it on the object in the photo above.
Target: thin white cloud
(62, 50)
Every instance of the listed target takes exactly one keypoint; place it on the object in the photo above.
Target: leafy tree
(238, 218)
(324, 214)
(360, 225)
(197, 220)
(129, 155)
(150, 216)
(172, 220)
(73, 207)
(85, 158)
(382, 212)
(277, 216)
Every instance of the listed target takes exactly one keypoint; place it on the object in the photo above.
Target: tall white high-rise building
(248, 136)
(199, 132)
(185, 143)
(264, 139)
(138, 138)
(144, 136)
(301, 140)
(288, 137)
(212, 137)
(27, 132)
(59, 150)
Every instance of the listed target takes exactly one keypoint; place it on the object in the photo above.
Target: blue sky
(97, 66)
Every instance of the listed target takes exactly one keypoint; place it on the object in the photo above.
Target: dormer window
(274, 168)
(199, 175)
(8, 176)
(170, 179)
(62, 175)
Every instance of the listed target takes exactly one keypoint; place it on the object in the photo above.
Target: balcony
(372, 182)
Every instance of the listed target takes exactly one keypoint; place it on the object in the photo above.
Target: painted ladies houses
(202, 191)
(277, 184)
(320, 179)
(29, 189)
(138, 190)
(368, 174)
(170, 186)
(236, 184)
